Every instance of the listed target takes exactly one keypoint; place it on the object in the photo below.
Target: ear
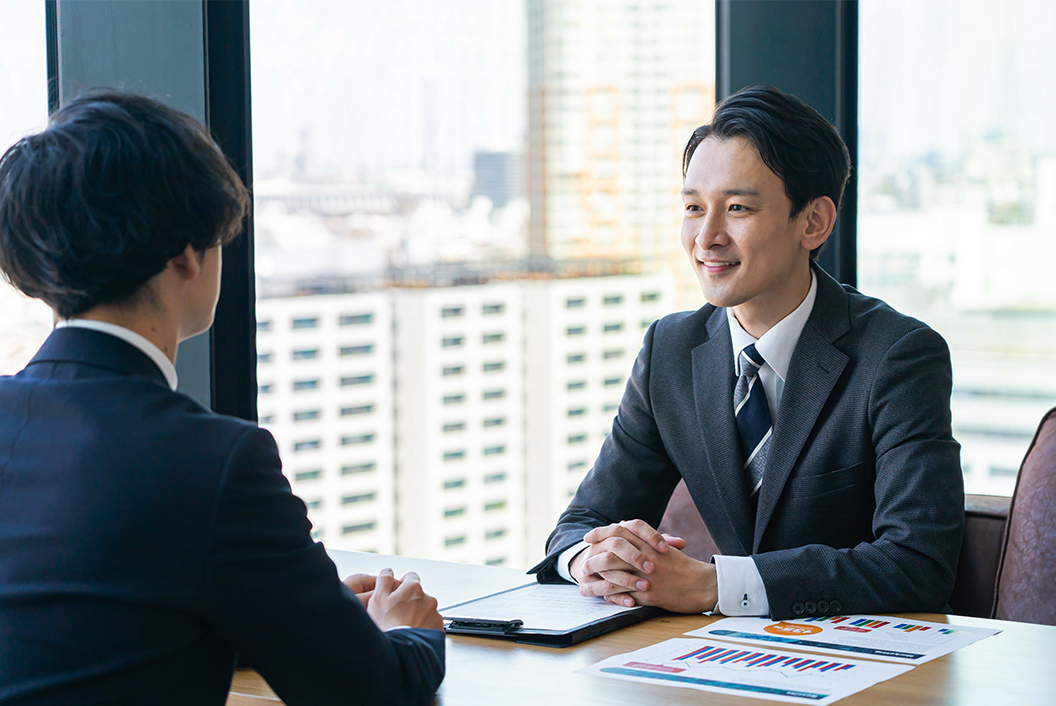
(187, 265)
(820, 218)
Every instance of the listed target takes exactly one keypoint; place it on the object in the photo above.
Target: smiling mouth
(719, 265)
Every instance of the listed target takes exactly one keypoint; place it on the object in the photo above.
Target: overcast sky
(370, 80)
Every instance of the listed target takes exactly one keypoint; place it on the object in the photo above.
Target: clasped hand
(630, 563)
(391, 602)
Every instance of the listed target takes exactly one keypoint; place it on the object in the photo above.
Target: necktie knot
(751, 361)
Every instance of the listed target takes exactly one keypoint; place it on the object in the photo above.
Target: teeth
(720, 264)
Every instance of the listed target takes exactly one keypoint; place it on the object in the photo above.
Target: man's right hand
(621, 556)
(394, 603)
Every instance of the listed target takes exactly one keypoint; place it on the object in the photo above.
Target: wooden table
(1016, 667)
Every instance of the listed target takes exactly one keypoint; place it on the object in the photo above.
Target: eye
(693, 208)
(737, 208)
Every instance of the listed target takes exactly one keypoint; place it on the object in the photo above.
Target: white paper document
(873, 636)
(540, 606)
(761, 673)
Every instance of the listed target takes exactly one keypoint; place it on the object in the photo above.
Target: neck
(153, 326)
(759, 315)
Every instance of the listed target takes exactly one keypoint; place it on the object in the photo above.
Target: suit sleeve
(276, 597)
(632, 478)
(918, 522)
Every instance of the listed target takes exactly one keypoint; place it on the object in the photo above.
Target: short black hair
(795, 141)
(115, 186)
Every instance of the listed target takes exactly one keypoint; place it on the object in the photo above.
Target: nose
(712, 231)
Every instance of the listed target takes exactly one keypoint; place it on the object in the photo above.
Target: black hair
(795, 141)
(115, 186)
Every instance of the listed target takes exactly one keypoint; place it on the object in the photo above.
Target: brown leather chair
(1026, 578)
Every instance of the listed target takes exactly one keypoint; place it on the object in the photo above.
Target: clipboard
(552, 615)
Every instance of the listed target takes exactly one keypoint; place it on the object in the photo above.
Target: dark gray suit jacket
(862, 504)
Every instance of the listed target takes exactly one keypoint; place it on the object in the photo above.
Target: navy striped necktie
(753, 418)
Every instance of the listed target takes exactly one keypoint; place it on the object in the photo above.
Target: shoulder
(686, 329)
(880, 326)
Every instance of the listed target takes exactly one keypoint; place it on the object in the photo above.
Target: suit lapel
(713, 380)
(815, 367)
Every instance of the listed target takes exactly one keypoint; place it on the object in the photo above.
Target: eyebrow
(690, 191)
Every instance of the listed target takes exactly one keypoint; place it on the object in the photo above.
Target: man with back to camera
(144, 540)
(810, 423)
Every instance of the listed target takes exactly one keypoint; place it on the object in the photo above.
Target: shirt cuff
(564, 559)
(398, 627)
(741, 589)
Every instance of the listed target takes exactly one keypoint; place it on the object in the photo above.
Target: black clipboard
(515, 630)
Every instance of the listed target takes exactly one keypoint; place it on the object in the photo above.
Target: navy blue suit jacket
(144, 541)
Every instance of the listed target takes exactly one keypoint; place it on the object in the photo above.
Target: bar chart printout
(872, 636)
(760, 673)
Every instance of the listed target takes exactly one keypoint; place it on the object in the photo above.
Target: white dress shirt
(740, 587)
(128, 336)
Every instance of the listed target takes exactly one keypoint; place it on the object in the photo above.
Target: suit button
(823, 606)
(835, 606)
(811, 607)
(797, 608)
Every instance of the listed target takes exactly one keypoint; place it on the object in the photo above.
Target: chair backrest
(985, 517)
(1026, 578)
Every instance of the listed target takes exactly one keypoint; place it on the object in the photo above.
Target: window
(494, 366)
(650, 297)
(263, 326)
(454, 512)
(356, 410)
(494, 422)
(454, 399)
(307, 475)
(317, 533)
(494, 506)
(306, 354)
(364, 349)
(495, 534)
(264, 389)
(576, 358)
(356, 380)
(299, 385)
(455, 483)
(305, 322)
(454, 455)
(453, 370)
(614, 353)
(454, 426)
(357, 469)
(577, 385)
(494, 450)
(613, 327)
(360, 498)
(497, 561)
(263, 358)
(611, 407)
(306, 415)
(575, 330)
(451, 341)
(354, 319)
(577, 465)
(309, 445)
(577, 438)
(495, 477)
(455, 541)
(265, 419)
(646, 323)
(451, 312)
(575, 303)
(361, 527)
(613, 300)
(577, 411)
(609, 382)
(354, 439)
(491, 309)
(494, 394)
(313, 504)
(493, 338)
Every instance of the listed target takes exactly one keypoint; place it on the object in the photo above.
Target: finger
(599, 534)
(626, 549)
(384, 584)
(621, 599)
(601, 588)
(411, 577)
(360, 582)
(629, 581)
(676, 542)
(364, 597)
(644, 530)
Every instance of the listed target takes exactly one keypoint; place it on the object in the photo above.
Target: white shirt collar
(131, 337)
(777, 344)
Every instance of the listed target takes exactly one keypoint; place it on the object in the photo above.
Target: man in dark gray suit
(810, 423)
